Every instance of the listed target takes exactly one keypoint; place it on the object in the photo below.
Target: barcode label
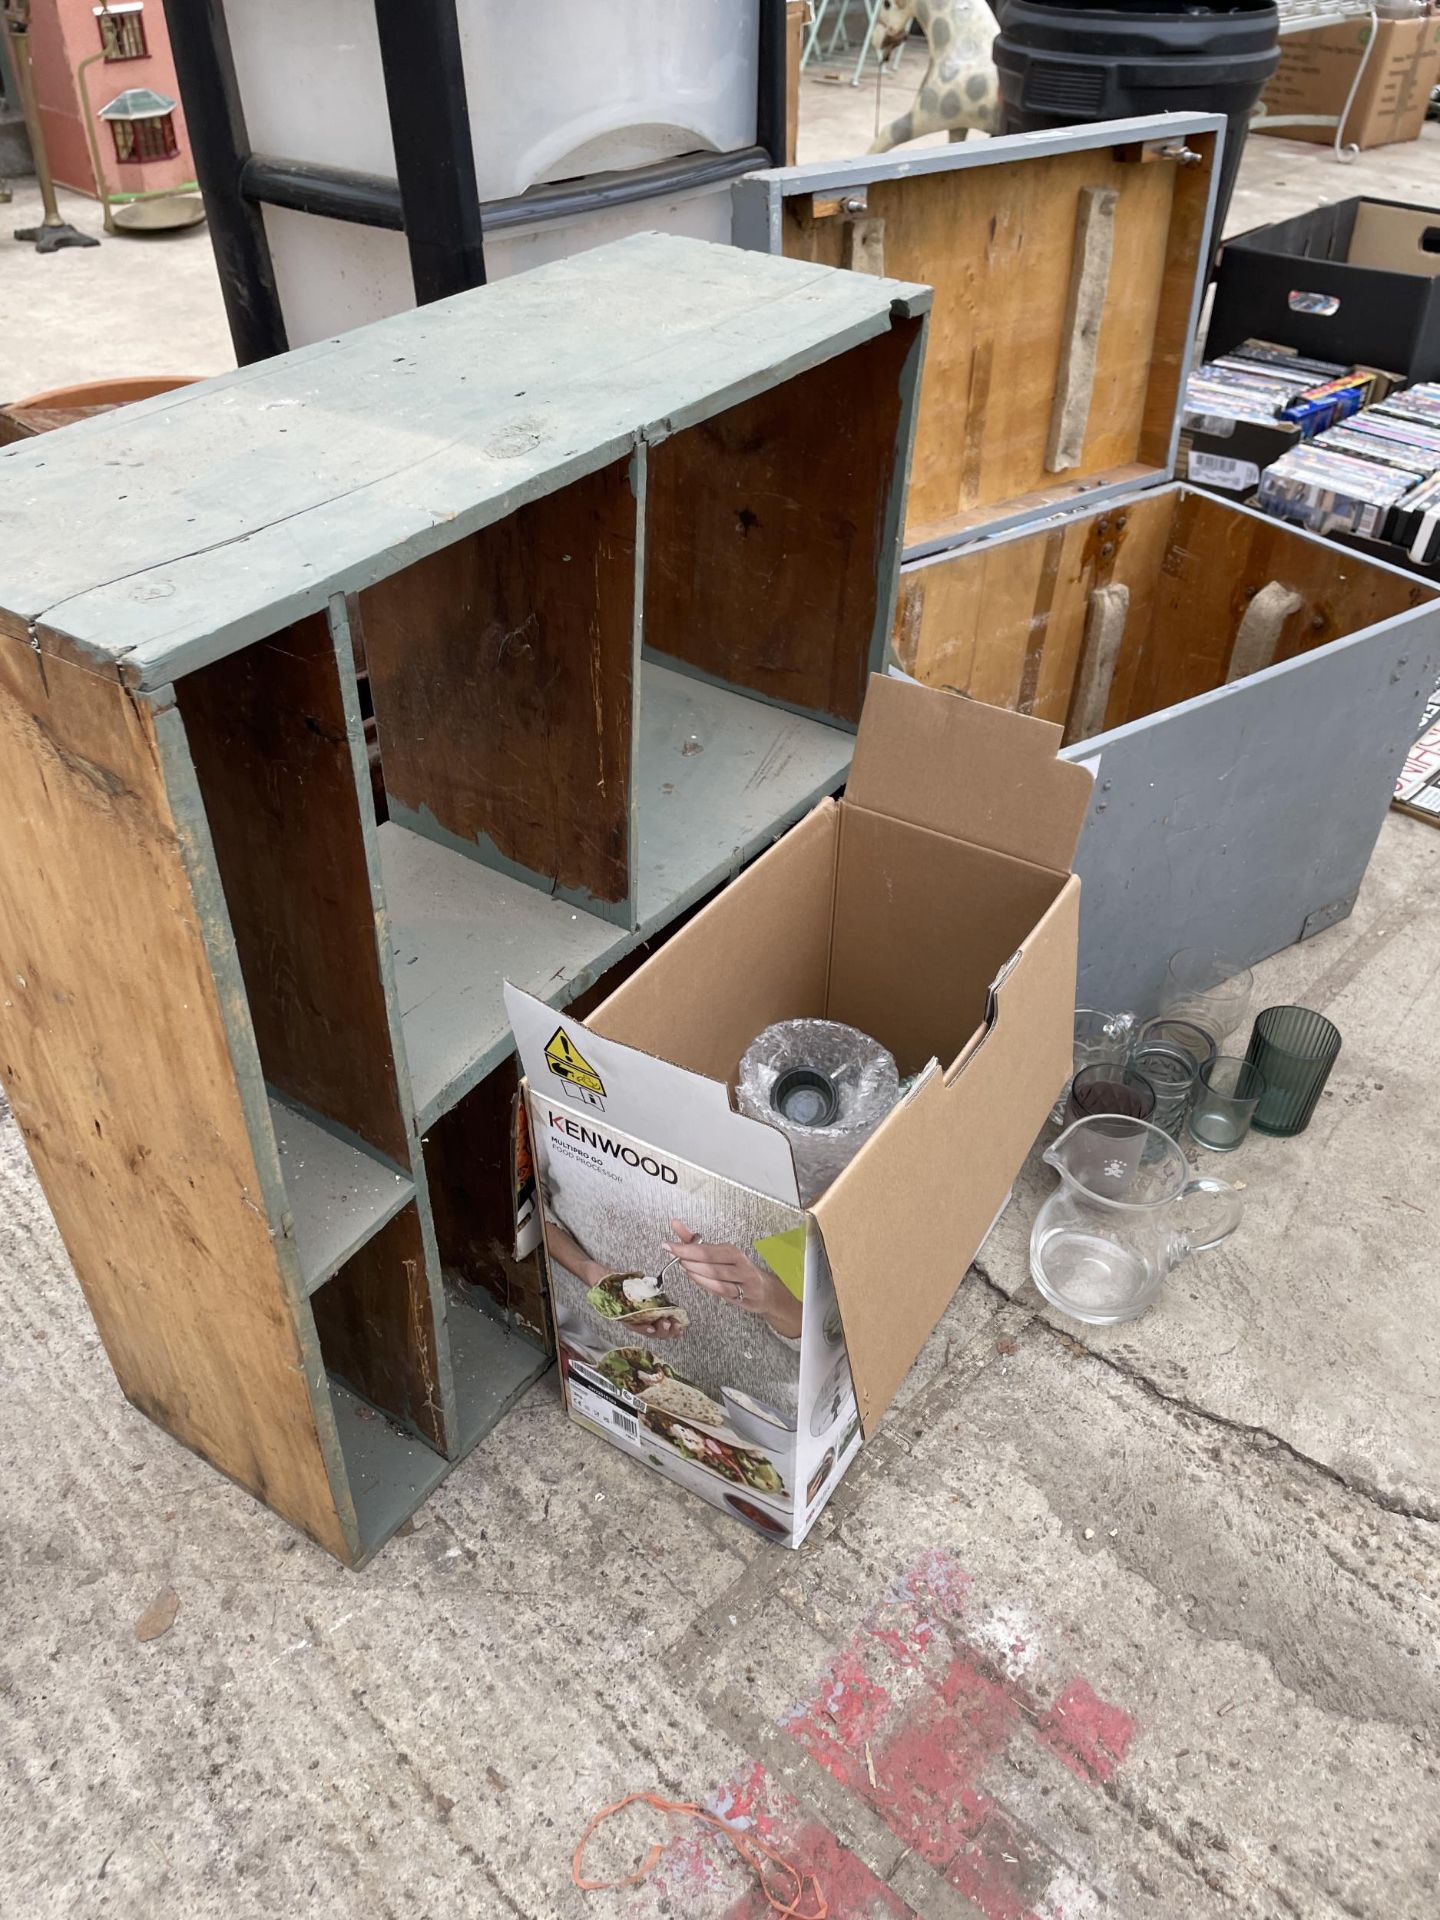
(1221, 471)
(602, 1410)
(1219, 425)
(608, 1388)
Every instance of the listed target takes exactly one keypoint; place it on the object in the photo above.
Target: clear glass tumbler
(1172, 1072)
(1294, 1048)
(1210, 989)
(1108, 1088)
(1225, 1102)
(1184, 1035)
(1099, 1037)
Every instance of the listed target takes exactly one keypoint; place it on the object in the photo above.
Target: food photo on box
(695, 1322)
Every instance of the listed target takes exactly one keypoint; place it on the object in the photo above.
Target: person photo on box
(737, 1322)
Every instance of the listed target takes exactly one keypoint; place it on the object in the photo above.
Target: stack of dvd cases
(1264, 383)
(1377, 474)
(1418, 788)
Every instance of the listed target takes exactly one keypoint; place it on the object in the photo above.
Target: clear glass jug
(1106, 1238)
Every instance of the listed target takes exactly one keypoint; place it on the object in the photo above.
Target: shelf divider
(340, 1194)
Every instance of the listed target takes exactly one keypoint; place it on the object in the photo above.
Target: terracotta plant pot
(63, 406)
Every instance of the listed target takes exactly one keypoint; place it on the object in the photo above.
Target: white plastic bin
(574, 87)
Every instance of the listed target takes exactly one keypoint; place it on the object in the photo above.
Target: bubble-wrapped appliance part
(826, 1086)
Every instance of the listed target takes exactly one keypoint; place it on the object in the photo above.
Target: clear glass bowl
(1210, 989)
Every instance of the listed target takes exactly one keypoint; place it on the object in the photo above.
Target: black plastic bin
(1063, 62)
(1357, 281)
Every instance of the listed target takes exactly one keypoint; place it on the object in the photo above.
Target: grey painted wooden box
(610, 550)
(1054, 566)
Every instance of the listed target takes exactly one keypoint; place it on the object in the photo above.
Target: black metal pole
(370, 200)
(336, 193)
(434, 156)
(773, 91)
(219, 147)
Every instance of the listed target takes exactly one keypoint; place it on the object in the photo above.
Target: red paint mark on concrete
(851, 1890)
(739, 1800)
(915, 1721)
(845, 1713)
(926, 1771)
(1090, 1735)
(907, 1650)
(700, 1874)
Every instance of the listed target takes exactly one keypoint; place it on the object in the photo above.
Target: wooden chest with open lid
(1247, 691)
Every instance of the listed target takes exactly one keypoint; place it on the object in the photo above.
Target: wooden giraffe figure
(960, 88)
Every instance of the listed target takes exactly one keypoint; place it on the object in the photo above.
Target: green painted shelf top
(167, 534)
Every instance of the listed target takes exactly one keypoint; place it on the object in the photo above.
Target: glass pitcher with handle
(1126, 1211)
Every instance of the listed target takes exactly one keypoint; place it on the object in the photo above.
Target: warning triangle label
(564, 1058)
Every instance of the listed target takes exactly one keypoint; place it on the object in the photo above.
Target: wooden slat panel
(766, 530)
(1004, 622)
(1217, 560)
(377, 1331)
(1104, 634)
(1140, 533)
(996, 243)
(502, 671)
(1084, 310)
(1173, 339)
(115, 1056)
(268, 736)
(1078, 568)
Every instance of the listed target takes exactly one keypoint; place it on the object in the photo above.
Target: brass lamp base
(50, 239)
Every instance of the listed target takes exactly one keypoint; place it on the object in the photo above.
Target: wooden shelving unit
(610, 549)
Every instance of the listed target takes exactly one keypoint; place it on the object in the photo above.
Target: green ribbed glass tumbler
(1294, 1048)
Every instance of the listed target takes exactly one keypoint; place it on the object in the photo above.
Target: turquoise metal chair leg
(872, 10)
(822, 7)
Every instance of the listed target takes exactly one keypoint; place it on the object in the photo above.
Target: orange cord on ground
(807, 1902)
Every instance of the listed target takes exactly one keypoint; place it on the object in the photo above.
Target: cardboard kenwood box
(1398, 62)
(1354, 282)
(934, 909)
(1247, 690)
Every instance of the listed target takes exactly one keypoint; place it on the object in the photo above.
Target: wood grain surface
(115, 1057)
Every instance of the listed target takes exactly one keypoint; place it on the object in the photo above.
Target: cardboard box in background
(1355, 281)
(1317, 70)
(934, 909)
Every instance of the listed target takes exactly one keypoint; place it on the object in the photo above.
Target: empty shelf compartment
(719, 775)
(339, 1193)
(458, 931)
(390, 1472)
(493, 1365)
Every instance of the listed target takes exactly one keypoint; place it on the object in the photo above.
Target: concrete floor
(1141, 1623)
(136, 304)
